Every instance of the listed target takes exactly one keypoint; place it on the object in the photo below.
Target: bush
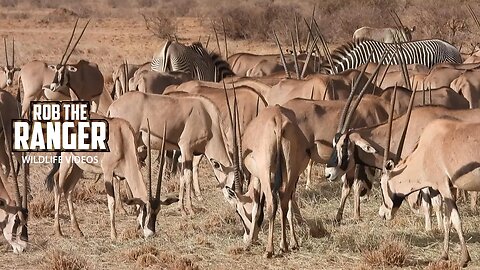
(159, 24)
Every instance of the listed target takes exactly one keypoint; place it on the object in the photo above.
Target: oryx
(8, 71)
(446, 156)
(194, 127)
(54, 82)
(121, 160)
(275, 153)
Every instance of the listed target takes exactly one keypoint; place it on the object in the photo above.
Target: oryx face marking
(15, 232)
(61, 78)
(338, 163)
(9, 72)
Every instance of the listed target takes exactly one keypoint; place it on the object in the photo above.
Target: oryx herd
(408, 109)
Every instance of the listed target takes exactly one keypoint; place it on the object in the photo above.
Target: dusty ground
(212, 239)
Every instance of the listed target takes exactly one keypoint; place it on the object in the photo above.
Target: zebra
(427, 52)
(193, 59)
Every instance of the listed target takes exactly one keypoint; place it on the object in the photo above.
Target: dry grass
(443, 265)
(60, 260)
(42, 205)
(148, 255)
(389, 253)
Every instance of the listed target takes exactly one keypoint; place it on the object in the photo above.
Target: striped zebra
(427, 52)
(193, 59)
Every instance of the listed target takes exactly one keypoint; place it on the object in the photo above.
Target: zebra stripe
(427, 52)
(193, 59)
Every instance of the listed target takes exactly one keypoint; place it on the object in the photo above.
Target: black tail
(49, 181)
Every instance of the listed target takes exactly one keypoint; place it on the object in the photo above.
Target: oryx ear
(52, 67)
(134, 201)
(363, 144)
(389, 165)
(413, 28)
(72, 69)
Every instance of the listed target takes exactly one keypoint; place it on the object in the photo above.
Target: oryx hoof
(294, 245)
(444, 256)
(268, 254)
(283, 250)
(113, 236)
(199, 198)
(58, 233)
(337, 220)
(79, 233)
(465, 259)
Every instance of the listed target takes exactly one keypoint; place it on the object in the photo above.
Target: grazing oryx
(275, 153)
(54, 81)
(426, 52)
(193, 59)
(413, 68)
(386, 35)
(194, 127)
(248, 104)
(442, 75)
(8, 71)
(446, 156)
(120, 81)
(154, 82)
(241, 63)
(122, 161)
(364, 145)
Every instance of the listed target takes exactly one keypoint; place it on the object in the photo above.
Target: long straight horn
(225, 39)
(149, 162)
(473, 15)
(208, 41)
(405, 128)
(360, 95)
(26, 175)
(343, 115)
(309, 55)
(399, 21)
(13, 52)
(325, 45)
(78, 40)
(295, 60)
(69, 41)
(6, 53)
(390, 121)
(125, 70)
(216, 38)
(311, 93)
(395, 19)
(297, 34)
(309, 36)
(309, 27)
(162, 163)
(236, 164)
(284, 63)
(228, 103)
(389, 62)
(9, 153)
(238, 142)
(257, 107)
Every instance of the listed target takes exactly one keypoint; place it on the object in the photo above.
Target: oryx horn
(390, 121)
(405, 128)
(76, 43)
(149, 162)
(69, 41)
(284, 63)
(6, 54)
(295, 60)
(162, 163)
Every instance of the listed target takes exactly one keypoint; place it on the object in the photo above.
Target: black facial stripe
(16, 223)
(247, 230)
(24, 234)
(344, 162)
(144, 215)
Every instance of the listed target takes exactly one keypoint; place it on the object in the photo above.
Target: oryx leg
(196, 186)
(61, 184)
(309, 174)
(271, 200)
(75, 175)
(108, 178)
(284, 202)
(426, 206)
(118, 198)
(437, 203)
(346, 187)
(473, 200)
(296, 211)
(452, 217)
(252, 236)
(293, 237)
(27, 98)
(186, 180)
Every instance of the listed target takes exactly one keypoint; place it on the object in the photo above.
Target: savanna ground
(212, 239)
